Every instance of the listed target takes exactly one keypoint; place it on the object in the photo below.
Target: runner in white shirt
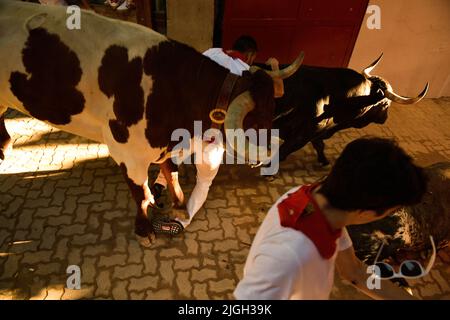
(303, 236)
(234, 64)
(311, 275)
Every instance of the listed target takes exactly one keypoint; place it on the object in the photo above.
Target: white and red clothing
(212, 152)
(232, 60)
(295, 262)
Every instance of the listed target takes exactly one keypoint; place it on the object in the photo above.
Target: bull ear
(372, 66)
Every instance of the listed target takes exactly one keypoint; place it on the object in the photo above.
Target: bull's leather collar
(224, 97)
(301, 212)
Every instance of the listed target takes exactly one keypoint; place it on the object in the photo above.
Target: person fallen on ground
(237, 60)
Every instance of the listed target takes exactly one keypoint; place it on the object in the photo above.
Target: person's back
(235, 65)
(239, 58)
(303, 236)
(275, 244)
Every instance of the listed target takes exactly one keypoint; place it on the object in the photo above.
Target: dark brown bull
(320, 101)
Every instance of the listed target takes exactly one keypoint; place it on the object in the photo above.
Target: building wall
(191, 22)
(415, 39)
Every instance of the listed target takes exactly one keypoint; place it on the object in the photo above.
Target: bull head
(244, 103)
(388, 91)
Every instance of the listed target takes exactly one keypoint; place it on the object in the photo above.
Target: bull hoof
(146, 241)
(270, 178)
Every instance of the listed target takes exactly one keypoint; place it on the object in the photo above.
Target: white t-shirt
(284, 263)
(236, 66)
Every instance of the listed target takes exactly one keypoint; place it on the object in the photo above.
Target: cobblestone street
(63, 201)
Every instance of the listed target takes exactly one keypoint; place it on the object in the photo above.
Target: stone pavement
(64, 202)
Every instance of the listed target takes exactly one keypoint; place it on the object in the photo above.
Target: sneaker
(166, 225)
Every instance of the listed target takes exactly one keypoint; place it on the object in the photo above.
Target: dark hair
(245, 44)
(374, 174)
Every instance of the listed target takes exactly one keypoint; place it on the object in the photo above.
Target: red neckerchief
(236, 55)
(300, 211)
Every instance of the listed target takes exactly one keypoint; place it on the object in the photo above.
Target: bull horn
(286, 72)
(367, 70)
(234, 120)
(391, 95)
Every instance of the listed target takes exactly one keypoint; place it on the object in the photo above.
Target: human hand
(273, 62)
(180, 212)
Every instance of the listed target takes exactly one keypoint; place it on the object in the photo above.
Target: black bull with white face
(320, 101)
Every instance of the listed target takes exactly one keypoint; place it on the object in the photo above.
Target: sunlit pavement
(64, 202)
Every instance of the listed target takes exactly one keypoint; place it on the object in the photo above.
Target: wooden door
(326, 30)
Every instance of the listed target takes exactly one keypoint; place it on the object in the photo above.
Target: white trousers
(207, 168)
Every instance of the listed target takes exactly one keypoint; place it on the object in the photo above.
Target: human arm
(277, 83)
(170, 172)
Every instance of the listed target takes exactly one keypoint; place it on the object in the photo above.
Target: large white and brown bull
(121, 84)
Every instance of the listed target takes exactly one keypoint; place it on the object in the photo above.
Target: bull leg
(5, 138)
(291, 146)
(134, 165)
(319, 146)
(136, 178)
